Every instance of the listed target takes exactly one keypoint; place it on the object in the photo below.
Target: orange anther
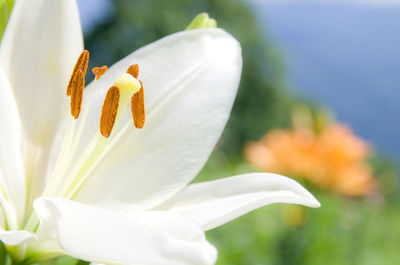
(81, 65)
(77, 86)
(133, 70)
(137, 106)
(99, 71)
(109, 111)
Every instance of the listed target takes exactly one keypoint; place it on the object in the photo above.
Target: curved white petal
(14, 238)
(12, 179)
(190, 82)
(39, 48)
(100, 236)
(214, 203)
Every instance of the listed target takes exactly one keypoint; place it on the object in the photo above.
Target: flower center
(72, 167)
(71, 170)
(117, 98)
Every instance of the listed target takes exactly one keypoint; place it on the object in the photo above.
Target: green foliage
(3, 254)
(66, 260)
(344, 231)
(262, 101)
(5, 11)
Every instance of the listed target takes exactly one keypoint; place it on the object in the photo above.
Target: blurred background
(318, 102)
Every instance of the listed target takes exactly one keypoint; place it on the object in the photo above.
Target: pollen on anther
(77, 86)
(133, 70)
(81, 65)
(137, 107)
(109, 111)
(99, 71)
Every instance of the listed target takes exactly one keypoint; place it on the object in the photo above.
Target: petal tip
(313, 203)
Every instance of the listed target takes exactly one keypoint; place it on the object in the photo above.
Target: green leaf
(66, 260)
(5, 11)
(3, 254)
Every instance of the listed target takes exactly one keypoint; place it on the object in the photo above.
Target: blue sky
(345, 56)
(93, 11)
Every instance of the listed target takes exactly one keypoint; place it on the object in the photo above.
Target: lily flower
(95, 185)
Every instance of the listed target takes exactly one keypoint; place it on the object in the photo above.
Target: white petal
(39, 48)
(14, 238)
(214, 203)
(100, 236)
(190, 81)
(42, 41)
(12, 179)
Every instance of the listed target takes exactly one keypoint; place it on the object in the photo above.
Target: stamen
(99, 71)
(137, 106)
(133, 70)
(81, 64)
(137, 100)
(109, 111)
(77, 86)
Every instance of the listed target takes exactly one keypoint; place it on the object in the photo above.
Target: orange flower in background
(332, 159)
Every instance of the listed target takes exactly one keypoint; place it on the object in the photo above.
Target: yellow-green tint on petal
(5, 11)
(202, 21)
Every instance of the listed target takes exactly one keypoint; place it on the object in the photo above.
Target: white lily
(125, 199)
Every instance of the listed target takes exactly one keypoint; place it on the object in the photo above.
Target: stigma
(128, 84)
